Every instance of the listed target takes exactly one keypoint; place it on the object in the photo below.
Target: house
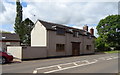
(51, 40)
(9, 39)
(61, 40)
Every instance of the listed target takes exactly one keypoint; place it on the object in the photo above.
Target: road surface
(98, 63)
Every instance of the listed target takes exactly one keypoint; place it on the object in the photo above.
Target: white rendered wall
(38, 35)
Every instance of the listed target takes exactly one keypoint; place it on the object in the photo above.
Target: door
(75, 48)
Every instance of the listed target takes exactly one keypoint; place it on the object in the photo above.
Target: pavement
(98, 63)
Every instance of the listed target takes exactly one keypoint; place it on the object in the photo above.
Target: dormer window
(3, 37)
(54, 27)
(89, 36)
(75, 34)
(60, 31)
(85, 33)
(71, 30)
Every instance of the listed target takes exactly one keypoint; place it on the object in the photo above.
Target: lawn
(116, 51)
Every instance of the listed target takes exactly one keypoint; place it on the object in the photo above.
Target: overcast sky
(69, 12)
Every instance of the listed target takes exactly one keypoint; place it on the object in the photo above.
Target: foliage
(28, 25)
(18, 20)
(1, 31)
(109, 32)
(101, 45)
(23, 28)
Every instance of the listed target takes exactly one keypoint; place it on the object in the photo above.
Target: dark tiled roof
(52, 26)
(9, 36)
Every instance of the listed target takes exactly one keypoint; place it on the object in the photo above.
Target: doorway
(75, 48)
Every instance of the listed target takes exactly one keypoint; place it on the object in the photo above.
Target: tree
(1, 31)
(18, 20)
(109, 30)
(101, 45)
(28, 25)
(22, 28)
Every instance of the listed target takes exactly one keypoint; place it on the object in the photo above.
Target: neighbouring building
(61, 40)
(9, 39)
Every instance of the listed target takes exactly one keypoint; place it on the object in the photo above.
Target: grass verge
(115, 51)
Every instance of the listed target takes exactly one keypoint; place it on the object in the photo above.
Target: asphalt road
(98, 63)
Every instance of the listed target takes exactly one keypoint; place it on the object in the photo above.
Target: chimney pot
(92, 31)
(85, 28)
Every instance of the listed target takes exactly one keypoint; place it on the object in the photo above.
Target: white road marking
(59, 67)
(54, 66)
(72, 63)
(63, 69)
(75, 64)
(70, 67)
(109, 59)
(95, 60)
(115, 57)
(112, 57)
(35, 71)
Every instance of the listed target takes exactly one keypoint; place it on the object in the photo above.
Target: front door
(75, 48)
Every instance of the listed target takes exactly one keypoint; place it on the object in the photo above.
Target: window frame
(88, 47)
(60, 47)
(76, 34)
(60, 31)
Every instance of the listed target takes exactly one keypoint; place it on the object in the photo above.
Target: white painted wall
(38, 35)
(27, 52)
(16, 51)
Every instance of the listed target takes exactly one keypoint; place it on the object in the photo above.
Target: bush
(101, 45)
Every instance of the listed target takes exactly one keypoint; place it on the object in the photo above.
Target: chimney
(92, 31)
(85, 28)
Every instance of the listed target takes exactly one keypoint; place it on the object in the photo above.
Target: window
(85, 33)
(88, 47)
(7, 43)
(60, 47)
(75, 34)
(3, 37)
(89, 36)
(60, 31)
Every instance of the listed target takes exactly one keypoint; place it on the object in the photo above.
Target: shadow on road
(98, 53)
(13, 62)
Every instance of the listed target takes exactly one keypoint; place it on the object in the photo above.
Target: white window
(7, 43)
(3, 37)
(75, 34)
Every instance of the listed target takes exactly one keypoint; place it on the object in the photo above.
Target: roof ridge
(60, 25)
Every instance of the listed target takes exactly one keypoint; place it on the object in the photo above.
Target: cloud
(2, 7)
(73, 12)
(8, 16)
(76, 13)
(70, 0)
(70, 13)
